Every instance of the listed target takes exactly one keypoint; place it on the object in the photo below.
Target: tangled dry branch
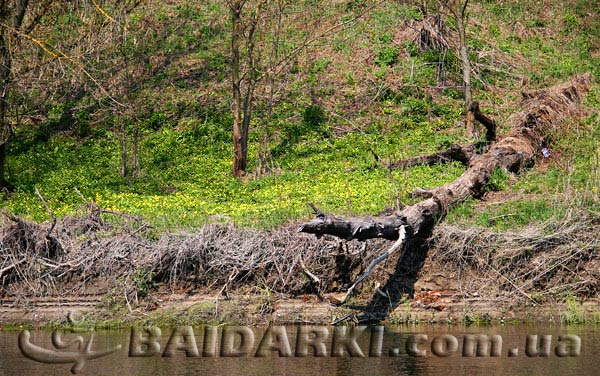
(545, 261)
(99, 250)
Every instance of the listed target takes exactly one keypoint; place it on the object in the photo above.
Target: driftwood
(544, 111)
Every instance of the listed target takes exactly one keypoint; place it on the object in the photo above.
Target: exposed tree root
(398, 245)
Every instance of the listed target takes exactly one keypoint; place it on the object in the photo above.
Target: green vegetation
(361, 91)
(143, 282)
(573, 313)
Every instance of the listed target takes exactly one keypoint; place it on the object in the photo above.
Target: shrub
(387, 56)
(313, 115)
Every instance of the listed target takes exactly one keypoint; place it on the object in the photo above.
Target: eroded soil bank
(171, 309)
(113, 269)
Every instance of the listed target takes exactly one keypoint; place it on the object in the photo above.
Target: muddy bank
(115, 269)
(171, 309)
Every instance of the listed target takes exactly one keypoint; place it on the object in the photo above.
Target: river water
(403, 350)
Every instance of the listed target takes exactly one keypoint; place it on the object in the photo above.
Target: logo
(75, 351)
(299, 341)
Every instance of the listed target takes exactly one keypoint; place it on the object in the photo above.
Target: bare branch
(397, 245)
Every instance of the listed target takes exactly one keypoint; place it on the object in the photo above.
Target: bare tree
(458, 10)
(12, 14)
(242, 105)
(19, 22)
(256, 55)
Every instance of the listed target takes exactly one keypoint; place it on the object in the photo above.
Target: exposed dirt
(432, 304)
(224, 274)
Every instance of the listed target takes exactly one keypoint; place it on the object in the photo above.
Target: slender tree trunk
(123, 149)
(248, 97)
(5, 73)
(466, 70)
(247, 113)
(4, 184)
(239, 159)
(135, 152)
(264, 152)
(466, 63)
(5, 128)
(460, 14)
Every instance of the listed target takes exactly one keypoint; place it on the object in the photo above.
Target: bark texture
(544, 111)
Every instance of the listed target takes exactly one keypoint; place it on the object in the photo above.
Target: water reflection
(395, 358)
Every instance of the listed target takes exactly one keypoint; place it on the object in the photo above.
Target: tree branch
(519, 148)
(397, 245)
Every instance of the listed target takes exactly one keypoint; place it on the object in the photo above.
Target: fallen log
(458, 153)
(543, 112)
(462, 154)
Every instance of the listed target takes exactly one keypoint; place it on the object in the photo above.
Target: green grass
(574, 313)
(184, 180)
(185, 153)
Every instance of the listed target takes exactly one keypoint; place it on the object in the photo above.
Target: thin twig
(54, 219)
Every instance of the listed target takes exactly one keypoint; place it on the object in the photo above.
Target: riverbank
(170, 310)
(115, 270)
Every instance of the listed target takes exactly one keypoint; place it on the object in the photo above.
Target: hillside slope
(176, 84)
(368, 92)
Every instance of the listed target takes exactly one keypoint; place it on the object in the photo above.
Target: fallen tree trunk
(544, 109)
(462, 154)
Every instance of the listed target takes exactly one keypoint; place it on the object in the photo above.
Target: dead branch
(457, 153)
(11, 266)
(488, 123)
(544, 112)
(399, 244)
(519, 148)
(50, 212)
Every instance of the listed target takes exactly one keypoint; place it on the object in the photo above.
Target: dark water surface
(390, 354)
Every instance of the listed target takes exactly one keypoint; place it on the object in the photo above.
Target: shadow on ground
(399, 284)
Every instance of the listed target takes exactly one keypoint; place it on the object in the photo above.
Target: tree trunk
(123, 132)
(239, 158)
(4, 184)
(135, 152)
(544, 110)
(460, 13)
(464, 59)
(5, 73)
(251, 82)
(5, 129)
(247, 113)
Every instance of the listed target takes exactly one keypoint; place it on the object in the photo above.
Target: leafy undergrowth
(185, 181)
(365, 90)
